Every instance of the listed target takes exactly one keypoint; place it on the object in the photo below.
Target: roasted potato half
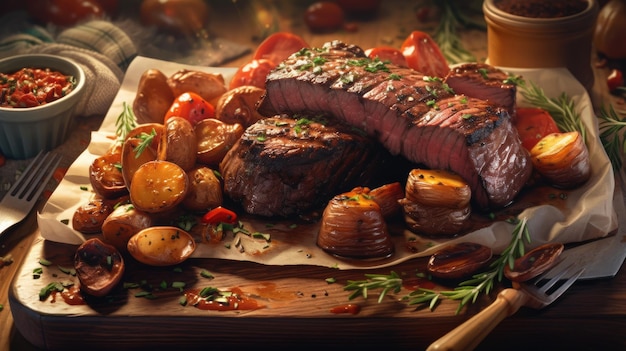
(214, 139)
(158, 186)
(562, 159)
(154, 97)
(105, 174)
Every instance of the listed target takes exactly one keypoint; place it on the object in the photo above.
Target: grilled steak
(284, 166)
(484, 82)
(411, 114)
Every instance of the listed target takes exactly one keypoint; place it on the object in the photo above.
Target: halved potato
(438, 188)
(88, 218)
(105, 174)
(158, 186)
(214, 139)
(99, 267)
(161, 246)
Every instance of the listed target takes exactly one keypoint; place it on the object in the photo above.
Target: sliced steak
(285, 166)
(412, 115)
(485, 82)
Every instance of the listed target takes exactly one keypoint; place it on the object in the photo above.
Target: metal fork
(21, 198)
(543, 292)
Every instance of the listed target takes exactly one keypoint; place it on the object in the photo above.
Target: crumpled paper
(587, 213)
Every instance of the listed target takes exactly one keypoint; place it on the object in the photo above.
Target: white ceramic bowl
(26, 131)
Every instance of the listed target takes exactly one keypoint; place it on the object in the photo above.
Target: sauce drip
(222, 301)
(349, 308)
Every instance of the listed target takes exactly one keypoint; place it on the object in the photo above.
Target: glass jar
(530, 42)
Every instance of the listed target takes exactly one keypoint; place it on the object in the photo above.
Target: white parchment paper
(587, 212)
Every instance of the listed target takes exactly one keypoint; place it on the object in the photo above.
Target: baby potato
(105, 175)
(124, 222)
(562, 159)
(178, 143)
(154, 97)
(214, 139)
(132, 157)
(161, 246)
(158, 186)
(238, 105)
(88, 218)
(205, 190)
(209, 86)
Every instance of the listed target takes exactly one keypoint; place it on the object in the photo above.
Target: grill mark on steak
(412, 115)
(285, 166)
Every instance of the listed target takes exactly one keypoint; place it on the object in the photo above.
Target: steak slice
(416, 116)
(485, 82)
(285, 166)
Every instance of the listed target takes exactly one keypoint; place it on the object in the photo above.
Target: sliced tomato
(279, 46)
(219, 215)
(532, 124)
(386, 53)
(252, 73)
(192, 107)
(423, 55)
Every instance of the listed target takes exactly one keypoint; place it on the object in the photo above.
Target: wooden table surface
(592, 313)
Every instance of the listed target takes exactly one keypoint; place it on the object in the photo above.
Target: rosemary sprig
(446, 34)
(611, 135)
(562, 109)
(375, 281)
(467, 291)
(146, 140)
(125, 122)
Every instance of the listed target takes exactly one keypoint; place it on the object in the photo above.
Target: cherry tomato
(64, 12)
(192, 107)
(385, 53)
(615, 79)
(532, 124)
(423, 55)
(323, 16)
(219, 215)
(252, 73)
(279, 46)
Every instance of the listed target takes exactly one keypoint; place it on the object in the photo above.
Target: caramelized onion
(459, 260)
(534, 262)
(353, 226)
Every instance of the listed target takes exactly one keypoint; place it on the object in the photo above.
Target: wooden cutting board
(296, 306)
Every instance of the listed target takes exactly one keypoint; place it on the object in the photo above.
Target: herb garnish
(611, 135)
(125, 122)
(467, 291)
(446, 34)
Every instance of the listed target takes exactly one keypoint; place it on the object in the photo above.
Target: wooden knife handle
(469, 334)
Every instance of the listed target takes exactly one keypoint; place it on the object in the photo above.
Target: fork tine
(557, 276)
(36, 176)
(571, 280)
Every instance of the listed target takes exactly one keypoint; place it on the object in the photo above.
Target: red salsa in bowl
(30, 87)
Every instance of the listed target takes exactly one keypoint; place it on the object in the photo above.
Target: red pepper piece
(219, 215)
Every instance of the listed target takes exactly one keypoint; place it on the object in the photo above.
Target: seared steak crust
(289, 166)
(411, 114)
